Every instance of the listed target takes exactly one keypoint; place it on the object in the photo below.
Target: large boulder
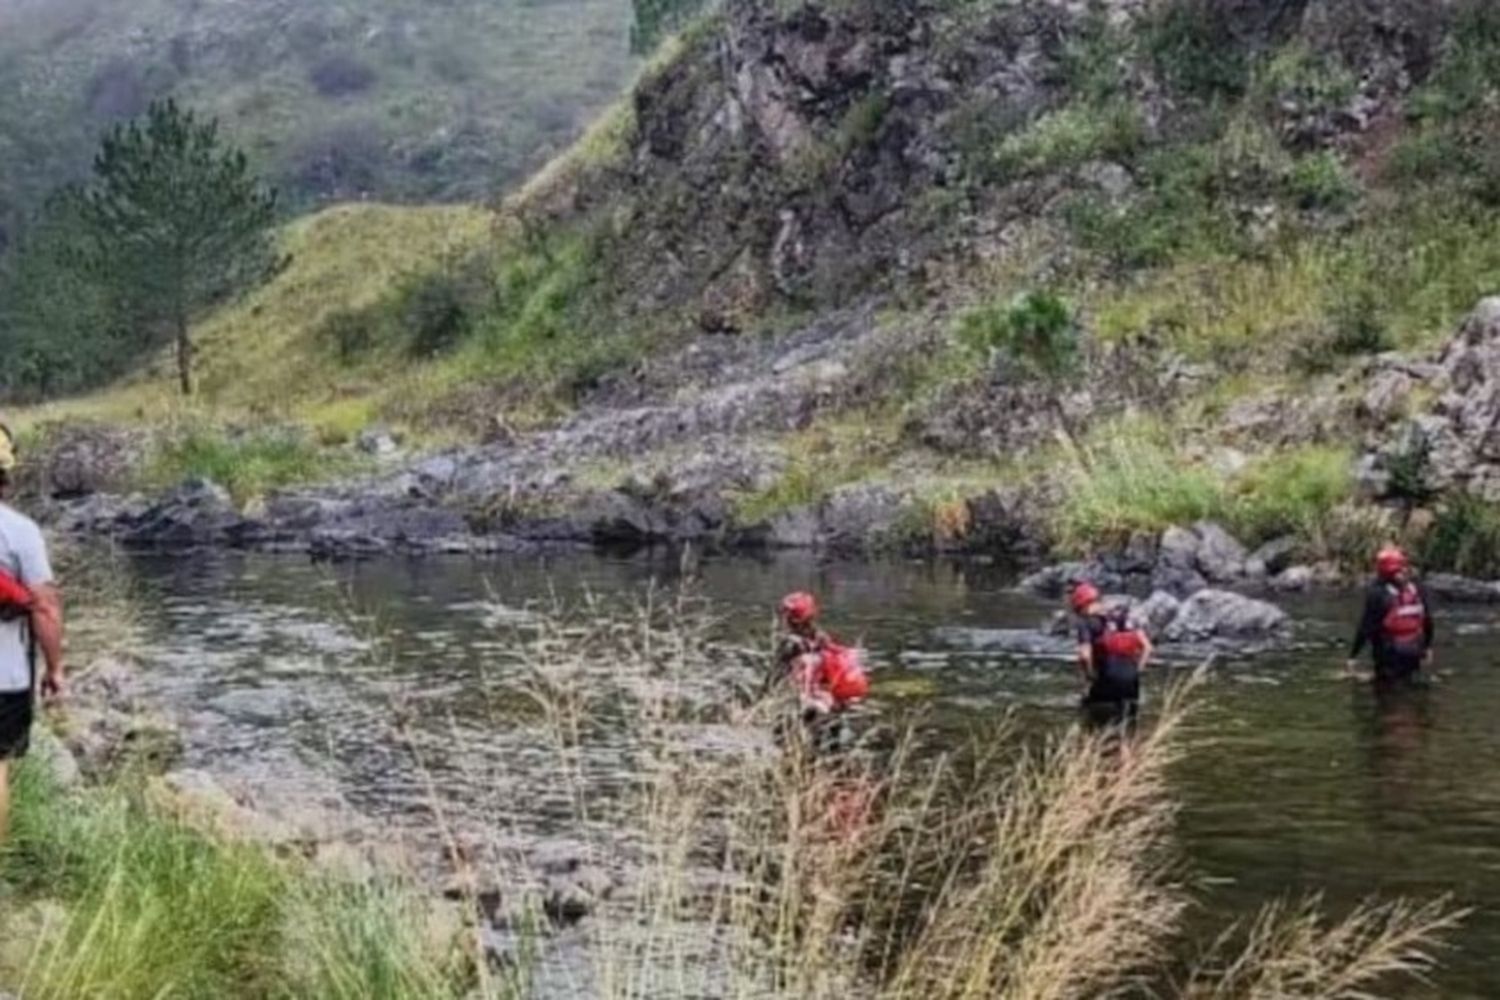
(1221, 557)
(1222, 614)
(1461, 589)
(198, 513)
(79, 460)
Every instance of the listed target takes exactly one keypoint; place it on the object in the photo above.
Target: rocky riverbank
(675, 466)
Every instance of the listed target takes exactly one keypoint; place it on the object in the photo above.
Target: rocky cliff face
(803, 154)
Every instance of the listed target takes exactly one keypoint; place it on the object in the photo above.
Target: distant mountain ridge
(398, 100)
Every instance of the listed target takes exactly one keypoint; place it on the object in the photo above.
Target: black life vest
(1404, 627)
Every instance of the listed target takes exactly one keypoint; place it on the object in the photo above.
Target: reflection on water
(1302, 780)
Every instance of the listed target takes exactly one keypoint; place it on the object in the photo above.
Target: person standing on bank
(1396, 622)
(30, 623)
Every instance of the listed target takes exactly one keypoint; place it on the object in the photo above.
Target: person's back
(1396, 623)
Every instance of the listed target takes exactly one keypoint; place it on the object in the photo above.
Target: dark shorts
(17, 709)
(1393, 667)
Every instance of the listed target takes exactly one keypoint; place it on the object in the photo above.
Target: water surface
(1300, 782)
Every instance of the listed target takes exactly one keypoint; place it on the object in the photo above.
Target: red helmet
(1390, 561)
(799, 608)
(1083, 596)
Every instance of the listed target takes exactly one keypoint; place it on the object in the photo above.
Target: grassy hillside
(1228, 222)
(393, 99)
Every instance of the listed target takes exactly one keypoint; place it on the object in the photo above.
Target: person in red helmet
(800, 635)
(1112, 654)
(828, 678)
(1396, 623)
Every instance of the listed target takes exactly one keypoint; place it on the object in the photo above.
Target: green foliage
(153, 908)
(1466, 79)
(1131, 480)
(175, 220)
(1291, 492)
(1320, 181)
(1465, 539)
(1036, 331)
(1309, 81)
(1071, 136)
(60, 330)
(1195, 50)
(248, 464)
(656, 19)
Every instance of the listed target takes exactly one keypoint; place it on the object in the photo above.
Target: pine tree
(176, 221)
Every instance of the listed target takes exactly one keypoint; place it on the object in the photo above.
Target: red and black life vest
(1116, 645)
(1404, 627)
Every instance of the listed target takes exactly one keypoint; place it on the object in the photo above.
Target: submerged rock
(1222, 614)
(1461, 589)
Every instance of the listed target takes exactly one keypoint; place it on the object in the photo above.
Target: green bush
(1195, 50)
(247, 465)
(1071, 136)
(1133, 481)
(1035, 331)
(350, 334)
(153, 908)
(1290, 492)
(1465, 539)
(439, 308)
(1320, 181)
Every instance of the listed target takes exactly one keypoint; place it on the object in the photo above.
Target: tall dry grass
(1024, 865)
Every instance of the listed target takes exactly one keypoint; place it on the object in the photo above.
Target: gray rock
(1292, 579)
(1178, 548)
(1221, 557)
(1273, 557)
(80, 460)
(1055, 581)
(378, 442)
(197, 513)
(1222, 614)
(855, 517)
(1156, 613)
(1461, 589)
(571, 897)
(1178, 581)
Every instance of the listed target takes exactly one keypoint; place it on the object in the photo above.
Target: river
(1298, 781)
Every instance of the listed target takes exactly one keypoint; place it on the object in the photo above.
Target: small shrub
(437, 309)
(1291, 492)
(1036, 331)
(1195, 49)
(247, 465)
(1465, 538)
(340, 75)
(1072, 136)
(1132, 481)
(351, 334)
(1320, 182)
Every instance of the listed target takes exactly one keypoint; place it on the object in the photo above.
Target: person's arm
(1429, 623)
(1146, 651)
(1369, 622)
(35, 572)
(1085, 654)
(47, 626)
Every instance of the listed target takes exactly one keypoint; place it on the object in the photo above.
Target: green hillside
(1093, 270)
(392, 99)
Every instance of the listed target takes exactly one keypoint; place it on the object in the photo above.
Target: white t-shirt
(23, 554)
